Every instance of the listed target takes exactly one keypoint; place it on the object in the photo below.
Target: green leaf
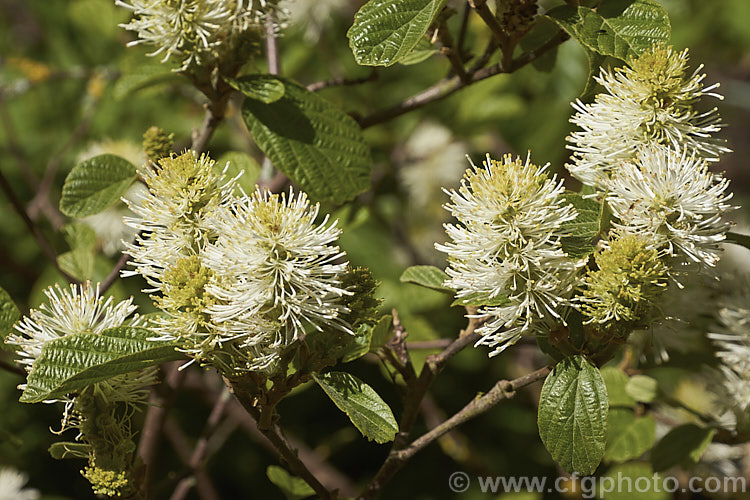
(386, 31)
(263, 88)
(542, 32)
(616, 380)
(63, 450)
(683, 445)
(592, 87)
(421, 52)
(628, 437)
(95, 184)
(78, 263)
(316, 144)
(141, 72)
(479, 299)
(583, 229)
(381, 332)
(293, 487)
(79, 235)
(738, 239)
(642, 388)
(426, 276)
(73, 362)
(618, 28)
(236, 162)
(9, 314)
(573, 415)
(638, 483)
(367, 411)
(358, 345)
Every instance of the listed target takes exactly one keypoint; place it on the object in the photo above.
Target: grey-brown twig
(274, 434)
(343, 82)
(448, 86)
(33, 228)
(179, 442)
(504, 389)
(155, 417)
(201, 447)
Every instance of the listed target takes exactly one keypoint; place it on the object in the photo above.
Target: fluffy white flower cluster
(240, 278)
(733, 350)
(674, 200)
(505, 253)
(78, 309)
(12, 486)
(649, 103)
(647, 148)
(196, 32)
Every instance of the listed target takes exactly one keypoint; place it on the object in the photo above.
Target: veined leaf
(421, 52)
(618, 28)
(364, 407)
(682, 445)
(78, 263)
(313, 142)
(583, 229)
(573, 415)
(616, 380)
(73, 362)
(263, 88)
(385, 31)
(426, 276)
(293, 487)
(95, 184)
(236, 162)
(358, 344)
(628, 437)
(642, 388)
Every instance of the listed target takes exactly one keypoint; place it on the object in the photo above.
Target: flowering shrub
(257, 250)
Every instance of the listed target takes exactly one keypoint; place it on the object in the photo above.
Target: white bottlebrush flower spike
(12, 486)
(279, 273)
(192, 31)
(649, 103)
(78, 309)
(183, 192)
(505, 252)
(674, 199)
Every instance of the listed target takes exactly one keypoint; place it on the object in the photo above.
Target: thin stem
(429, 344)
(179, 442)
(274, 434)
(201, 447)
(41, 201)
(448, 86)
(343, 82)
(157, 413)
(114, 273)
(33, 229)
(503, 389)
(453, 54)
(272, 46)
(504, 42)
(462, 31)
